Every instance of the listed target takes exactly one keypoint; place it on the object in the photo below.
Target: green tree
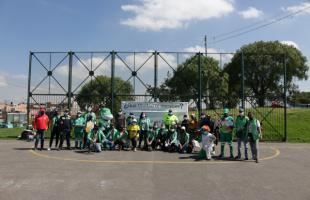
(264, 70)
(184, 83)
(98, 91)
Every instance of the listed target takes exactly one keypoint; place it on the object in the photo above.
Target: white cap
(183, 128)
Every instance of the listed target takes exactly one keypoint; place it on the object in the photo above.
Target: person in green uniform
(183, 138)
(161, 137)
(79, 126)
(172, 141)
(55, 130)
(240, 129)
(95, 139)
(226, 132)
(151, 138)
(121, 138)
(144, 123)
(254, 134)
(111, 134)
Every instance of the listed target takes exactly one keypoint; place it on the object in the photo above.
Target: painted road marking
(35, 153)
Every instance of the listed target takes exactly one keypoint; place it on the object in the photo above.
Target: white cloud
(304, 7)
(156, 15)
(20, 76)
(3, 81)
(290, 43)
(80, 72)
(251, 12)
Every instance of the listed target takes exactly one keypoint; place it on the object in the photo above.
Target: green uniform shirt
(227, 123)
(100, 136)
(144, 124)
(183, 138)
(151, 135)
(240, 126)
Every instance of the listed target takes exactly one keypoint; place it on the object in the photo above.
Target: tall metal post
(70, 80)
(285, 100)
(242, 80)
(199, 85)
(155, 75)
(28, 92)
(112, 79)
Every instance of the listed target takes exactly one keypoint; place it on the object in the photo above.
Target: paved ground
(282, 174)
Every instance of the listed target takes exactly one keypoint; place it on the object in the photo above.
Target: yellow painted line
(276, 154)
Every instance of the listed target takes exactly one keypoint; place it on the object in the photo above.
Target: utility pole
(206, 49)
(207, 81)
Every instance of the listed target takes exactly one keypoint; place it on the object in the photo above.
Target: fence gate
(56, 80)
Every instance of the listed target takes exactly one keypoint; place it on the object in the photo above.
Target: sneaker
(49, 149)
(232, 157)
(134, 149)
(221, 156)
(246, 159)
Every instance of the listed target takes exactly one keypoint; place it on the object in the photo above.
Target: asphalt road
(283, 173)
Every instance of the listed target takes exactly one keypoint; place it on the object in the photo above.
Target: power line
(259, 27)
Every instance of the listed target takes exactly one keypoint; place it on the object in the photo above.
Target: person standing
(65, 129)
(254, 134)
(226, 129)
(41, 125)
(144, 124)
(133, 131)
(240, 127)
(170, 118)
(55, 130)
(120, 121)
(185, 122)
(79, 125)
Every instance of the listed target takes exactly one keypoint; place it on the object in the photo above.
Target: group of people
(132, 133)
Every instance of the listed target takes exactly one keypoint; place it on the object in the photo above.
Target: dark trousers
(64, 134)
(134, 142)
(39, 136)
(142, 136)
(54, 134)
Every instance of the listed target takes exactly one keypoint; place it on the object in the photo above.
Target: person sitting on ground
(95, 139)
(161, 137)
(172, 142)
(150, 138)
(207, 143)
(110, 135)
(120, 139)
(183, 138)
(133, 131)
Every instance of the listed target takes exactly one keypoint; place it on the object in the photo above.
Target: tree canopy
(264, 69)
(183, 84)
(98, 91)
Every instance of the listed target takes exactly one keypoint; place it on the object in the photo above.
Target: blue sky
(136, 25)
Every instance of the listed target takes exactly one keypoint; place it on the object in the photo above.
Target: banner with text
(155, 110)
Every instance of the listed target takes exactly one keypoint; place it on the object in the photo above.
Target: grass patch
(298, 124)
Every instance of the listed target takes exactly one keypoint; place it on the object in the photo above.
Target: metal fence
(56, 79)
